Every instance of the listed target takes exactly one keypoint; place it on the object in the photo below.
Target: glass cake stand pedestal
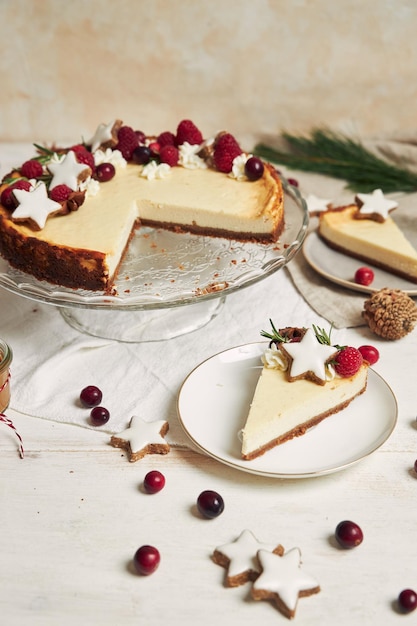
(169, 284)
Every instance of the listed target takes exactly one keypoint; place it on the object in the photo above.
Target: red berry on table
(407, 600)
(91, 396)
(154, 481)
(348, 534)
(364, 276)
(369, 353)
(146, 560)
(348, 361)
(105, 172)
(293, 182)
(254, 168)
(210, 504)
(99, 415)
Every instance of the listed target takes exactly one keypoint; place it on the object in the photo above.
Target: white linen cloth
(53, 362)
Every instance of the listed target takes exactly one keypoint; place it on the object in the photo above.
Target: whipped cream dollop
(189, 158)
(153, 170)
(238, 166)
(114, 157)
(90, 186)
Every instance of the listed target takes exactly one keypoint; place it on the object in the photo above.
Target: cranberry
(407, 600)
(293, 182)
(369, 353)
(348, 534)
(415, 466)
(364, 276)
(141, 155)
(91, 396)
(99, 416)
(146, 560)
(210, 504)
(254, 168)
(105, 172)
(154, 481)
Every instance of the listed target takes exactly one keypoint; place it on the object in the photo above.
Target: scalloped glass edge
(27, 286)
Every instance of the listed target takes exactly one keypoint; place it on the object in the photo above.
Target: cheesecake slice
(380, 243)
(286, 406)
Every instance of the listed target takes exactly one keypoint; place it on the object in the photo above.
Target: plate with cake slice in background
(364, 234)
(233, 386)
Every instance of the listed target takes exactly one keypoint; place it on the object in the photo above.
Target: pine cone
(390, 313)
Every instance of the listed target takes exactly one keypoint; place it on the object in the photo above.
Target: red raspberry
(166, 139)
(188, 132)
(127, 141)
(347, 362)
(60, 193)
(31, 169)
(226, 149)
(7, 198)
(84, 156)
(170, 155)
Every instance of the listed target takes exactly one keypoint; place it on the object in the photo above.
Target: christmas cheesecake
(366, 231)
(67, 215)
(304, 379)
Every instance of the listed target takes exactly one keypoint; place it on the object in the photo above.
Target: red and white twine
(9, 423)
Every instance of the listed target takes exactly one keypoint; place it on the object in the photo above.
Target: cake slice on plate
(366, 231)
(304, 380)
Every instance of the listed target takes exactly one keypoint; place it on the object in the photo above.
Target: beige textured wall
(254, 67)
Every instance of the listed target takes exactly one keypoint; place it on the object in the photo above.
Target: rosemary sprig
(322, 335)
(333, 154)
(275, 336)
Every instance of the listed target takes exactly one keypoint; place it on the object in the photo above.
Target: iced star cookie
(239, 558)
(142, 438)
(283, 581)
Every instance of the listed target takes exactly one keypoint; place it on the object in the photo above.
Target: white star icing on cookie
(34, 205)
(66, 171)
(283, 576)
(241, 553)
(316, 204)
(308, 355)
(102, 135)
(142, 438)
(375, 203)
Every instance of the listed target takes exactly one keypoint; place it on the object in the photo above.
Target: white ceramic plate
(340, 268)
(214, 401)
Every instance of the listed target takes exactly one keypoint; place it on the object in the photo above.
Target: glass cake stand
(169, 284)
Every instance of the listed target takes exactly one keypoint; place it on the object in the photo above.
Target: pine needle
(338, 156)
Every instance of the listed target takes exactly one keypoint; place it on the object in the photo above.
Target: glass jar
(6, 356)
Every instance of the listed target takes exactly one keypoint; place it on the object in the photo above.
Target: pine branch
(326, 152)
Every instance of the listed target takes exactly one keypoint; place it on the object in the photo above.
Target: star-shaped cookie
(316, 205)
(239, 558)
(105, 135)
(283, 581)
(34, 206)
(374, 205)
(142, 438)
(68, 171)
(308, 358)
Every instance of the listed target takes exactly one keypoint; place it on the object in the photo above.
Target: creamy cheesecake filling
(281, 410)
(380, 242)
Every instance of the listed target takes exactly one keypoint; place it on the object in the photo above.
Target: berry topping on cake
(141, 155)
(364, 276)
(169, 154)
(35, 206)
(84, 156)
(31, 169)
(166, 139)
(127, 141)
(254, 168)
(105, 172)
(210, 504)
(348, 534)
(146, 560)
(348, 362)
(188, 132)
(369, 354)
(8, 198)
(226, 149)
(60, 193)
